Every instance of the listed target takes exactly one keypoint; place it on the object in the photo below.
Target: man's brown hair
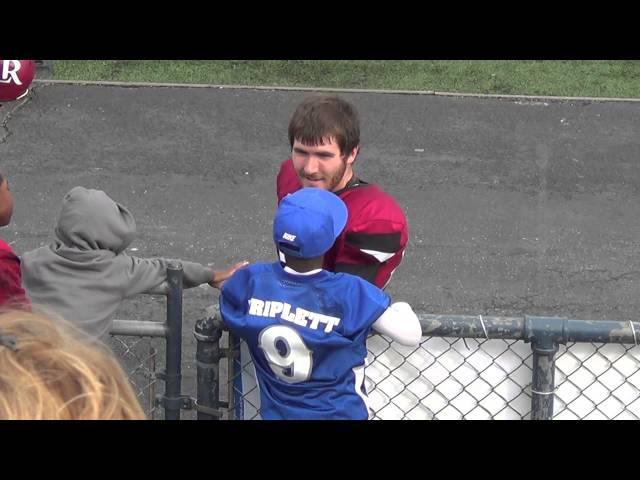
(320, 117)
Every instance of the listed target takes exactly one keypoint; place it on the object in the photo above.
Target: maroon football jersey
(373, 241)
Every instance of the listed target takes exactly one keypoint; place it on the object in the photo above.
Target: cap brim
(339, 213)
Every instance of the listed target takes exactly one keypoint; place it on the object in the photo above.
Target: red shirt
(11, 291)
(373, 241)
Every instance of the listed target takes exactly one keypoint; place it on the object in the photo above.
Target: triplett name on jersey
(300, 316)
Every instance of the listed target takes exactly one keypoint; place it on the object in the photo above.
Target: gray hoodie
(84, 275)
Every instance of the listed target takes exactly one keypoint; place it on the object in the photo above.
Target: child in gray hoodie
(84, 275)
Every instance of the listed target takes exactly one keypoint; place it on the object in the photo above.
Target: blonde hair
(47, 372)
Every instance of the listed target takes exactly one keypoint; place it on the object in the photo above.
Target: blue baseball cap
(308, 222)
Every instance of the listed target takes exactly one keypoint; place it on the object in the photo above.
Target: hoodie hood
(91, 220)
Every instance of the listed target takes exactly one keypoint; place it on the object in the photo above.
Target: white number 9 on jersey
(288, 356)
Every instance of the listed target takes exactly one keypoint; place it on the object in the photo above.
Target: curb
(340, 90)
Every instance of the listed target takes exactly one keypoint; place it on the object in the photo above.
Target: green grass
(604, 78)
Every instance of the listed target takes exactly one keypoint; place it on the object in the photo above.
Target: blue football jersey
(307, 338)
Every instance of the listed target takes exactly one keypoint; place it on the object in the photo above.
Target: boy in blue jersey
(305, 327)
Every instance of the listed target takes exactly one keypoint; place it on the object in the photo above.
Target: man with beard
(324, 133)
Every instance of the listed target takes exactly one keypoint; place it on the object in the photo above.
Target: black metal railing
(171, 330)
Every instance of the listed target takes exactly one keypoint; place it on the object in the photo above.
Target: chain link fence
(598, 381)
(442, 378)
(470, 368)
(140, 358)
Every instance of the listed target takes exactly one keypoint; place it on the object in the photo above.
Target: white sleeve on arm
(400, 323)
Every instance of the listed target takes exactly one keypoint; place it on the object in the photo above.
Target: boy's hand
(218, 278)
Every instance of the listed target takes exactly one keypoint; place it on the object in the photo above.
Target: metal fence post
(173, 383)
(208, 334)
(544, 333)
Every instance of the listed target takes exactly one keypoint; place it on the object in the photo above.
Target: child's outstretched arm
(218, 278)
(400, 323)
(144, 275)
